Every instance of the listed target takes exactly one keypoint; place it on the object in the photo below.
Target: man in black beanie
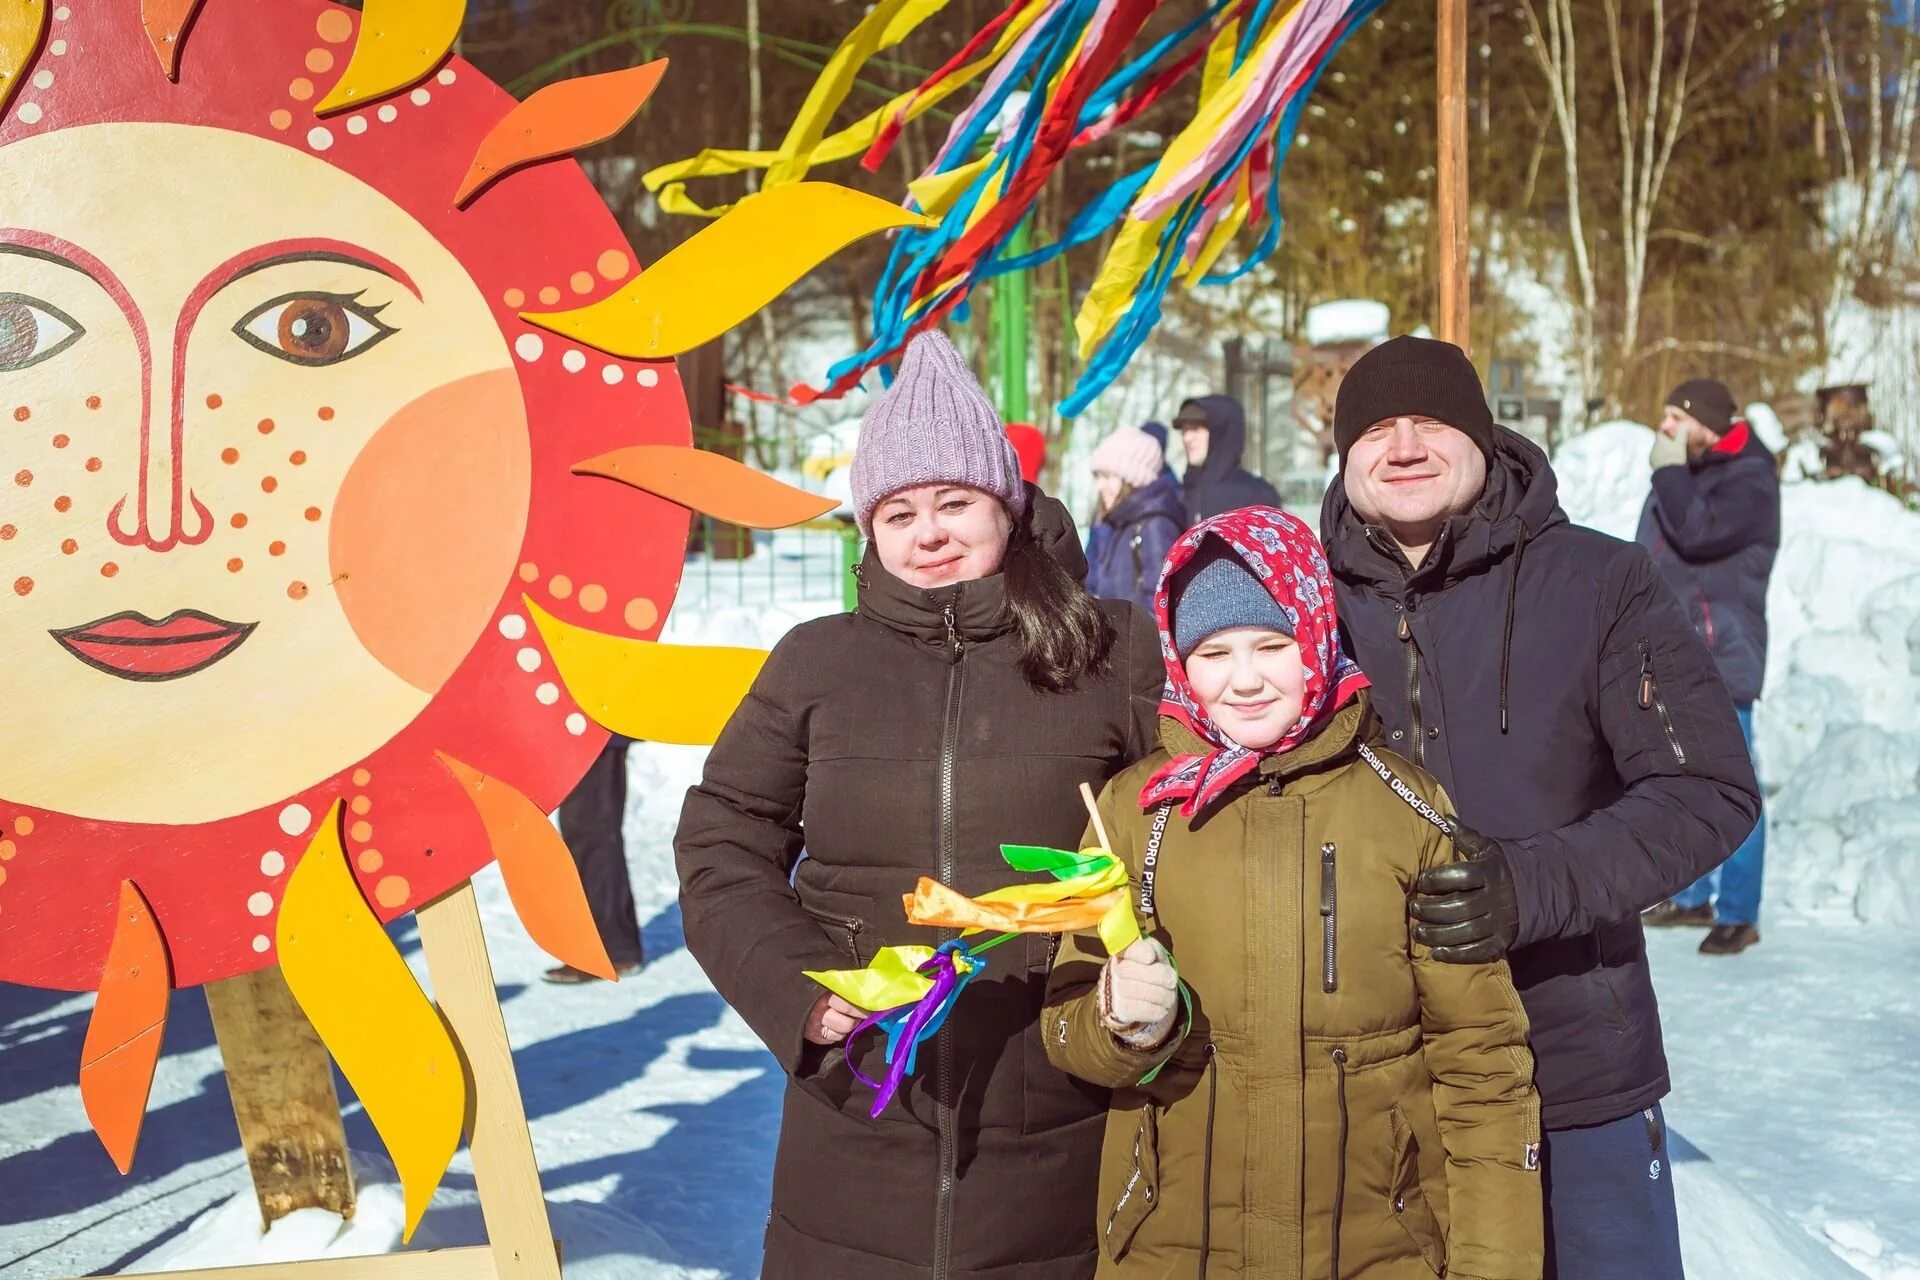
(1546, 675)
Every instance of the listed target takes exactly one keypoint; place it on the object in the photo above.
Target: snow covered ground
(1795, 1066)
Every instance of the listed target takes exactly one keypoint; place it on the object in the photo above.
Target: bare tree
(1555, 50)
(1872, 169)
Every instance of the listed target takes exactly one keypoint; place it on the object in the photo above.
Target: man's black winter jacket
(1544, 673)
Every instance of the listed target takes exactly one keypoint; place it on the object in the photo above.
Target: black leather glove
(1467, 911)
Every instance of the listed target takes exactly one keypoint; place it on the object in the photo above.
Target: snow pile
(1839, 743)
(1348, 320)
(597, 1242)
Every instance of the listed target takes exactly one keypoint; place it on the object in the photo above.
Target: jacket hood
(1283, 556)
(1161, 498)
(979, 608)
(1226, 436)
(1521, 501)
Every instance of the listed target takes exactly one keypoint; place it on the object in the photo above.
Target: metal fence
(812, 562)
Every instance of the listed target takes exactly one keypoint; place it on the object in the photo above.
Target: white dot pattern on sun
(513, 626)
(529, 347)
(295, 819)
(260, 904)
(272, 862)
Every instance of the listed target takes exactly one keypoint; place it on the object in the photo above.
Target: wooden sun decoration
(320, 598)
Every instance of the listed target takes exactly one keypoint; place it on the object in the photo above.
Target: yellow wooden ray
(379, 1026)
(641, 689)
(23, 25)
(399, 43)
(727, 271)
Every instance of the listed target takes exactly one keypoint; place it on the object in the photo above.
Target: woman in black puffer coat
(959, 707)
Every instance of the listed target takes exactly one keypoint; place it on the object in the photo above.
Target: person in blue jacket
(1139, 516)
(1712, 524)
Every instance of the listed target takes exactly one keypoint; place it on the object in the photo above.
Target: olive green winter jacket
(1337, 1081)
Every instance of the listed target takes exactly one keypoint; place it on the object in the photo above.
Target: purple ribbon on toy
(910, 1025)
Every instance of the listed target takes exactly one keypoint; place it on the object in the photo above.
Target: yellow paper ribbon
(889, 981)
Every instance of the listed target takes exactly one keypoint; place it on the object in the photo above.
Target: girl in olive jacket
(1336, 1104)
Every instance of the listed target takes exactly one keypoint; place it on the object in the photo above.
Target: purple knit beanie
(933, 425)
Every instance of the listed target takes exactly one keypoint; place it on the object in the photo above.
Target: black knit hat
(1412, 377)
(1709, 401)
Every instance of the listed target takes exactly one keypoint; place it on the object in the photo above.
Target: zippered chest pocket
(1651, 700)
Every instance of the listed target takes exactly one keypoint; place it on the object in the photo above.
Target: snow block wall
(1839, 725)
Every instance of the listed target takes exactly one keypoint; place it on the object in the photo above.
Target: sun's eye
(32, 331)
(314, 328)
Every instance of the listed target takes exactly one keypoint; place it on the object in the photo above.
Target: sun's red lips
(135, 647)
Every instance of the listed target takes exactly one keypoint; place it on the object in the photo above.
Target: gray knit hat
(1215, 592)
(933, 425)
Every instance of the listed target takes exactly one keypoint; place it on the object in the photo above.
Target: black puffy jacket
(901, 741)
(1545, 675)
(1221, 483)
(1713, 527)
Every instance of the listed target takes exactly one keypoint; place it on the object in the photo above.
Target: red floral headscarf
(1285, 558)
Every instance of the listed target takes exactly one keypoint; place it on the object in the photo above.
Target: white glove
(1669, 451)
(1139, 994)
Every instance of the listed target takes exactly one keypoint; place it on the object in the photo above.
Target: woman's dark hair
(1063, 634)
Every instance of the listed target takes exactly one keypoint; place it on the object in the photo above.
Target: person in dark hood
(1547, 677)
(1214, 431)
(962, 704)
(1712, 524)
(1139, 516)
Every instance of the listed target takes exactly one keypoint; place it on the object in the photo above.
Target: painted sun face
(226, 430)
(287, 481)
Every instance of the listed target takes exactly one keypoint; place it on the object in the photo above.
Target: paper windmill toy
(348, 486)
(913, 989)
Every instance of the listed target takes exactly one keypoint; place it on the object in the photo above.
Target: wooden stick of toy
(1093, 811)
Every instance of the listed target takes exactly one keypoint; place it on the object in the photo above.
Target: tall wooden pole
(1451, 48)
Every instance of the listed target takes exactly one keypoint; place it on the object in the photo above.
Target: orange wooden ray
(23, 26)
(540, 873)
(710, 484)
(129, 1020)
(559, 119)
(166, 23)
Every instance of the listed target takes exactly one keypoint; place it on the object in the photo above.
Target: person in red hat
(1030, 447)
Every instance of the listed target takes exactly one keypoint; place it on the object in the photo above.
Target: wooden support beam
(281, 1080)
(1450, 43)
(472, 1263)
(511, 1202)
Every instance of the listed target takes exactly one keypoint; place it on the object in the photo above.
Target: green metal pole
(1011, 323)
(849, 557)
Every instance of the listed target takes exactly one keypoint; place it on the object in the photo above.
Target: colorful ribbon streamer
(1055, 75)
(913, 989)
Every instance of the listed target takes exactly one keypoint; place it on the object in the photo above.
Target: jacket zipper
(943, 1059)
(852, 926)
(1413, 689)
(1340, 1167)
(1650, 699)
(1329, 903)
